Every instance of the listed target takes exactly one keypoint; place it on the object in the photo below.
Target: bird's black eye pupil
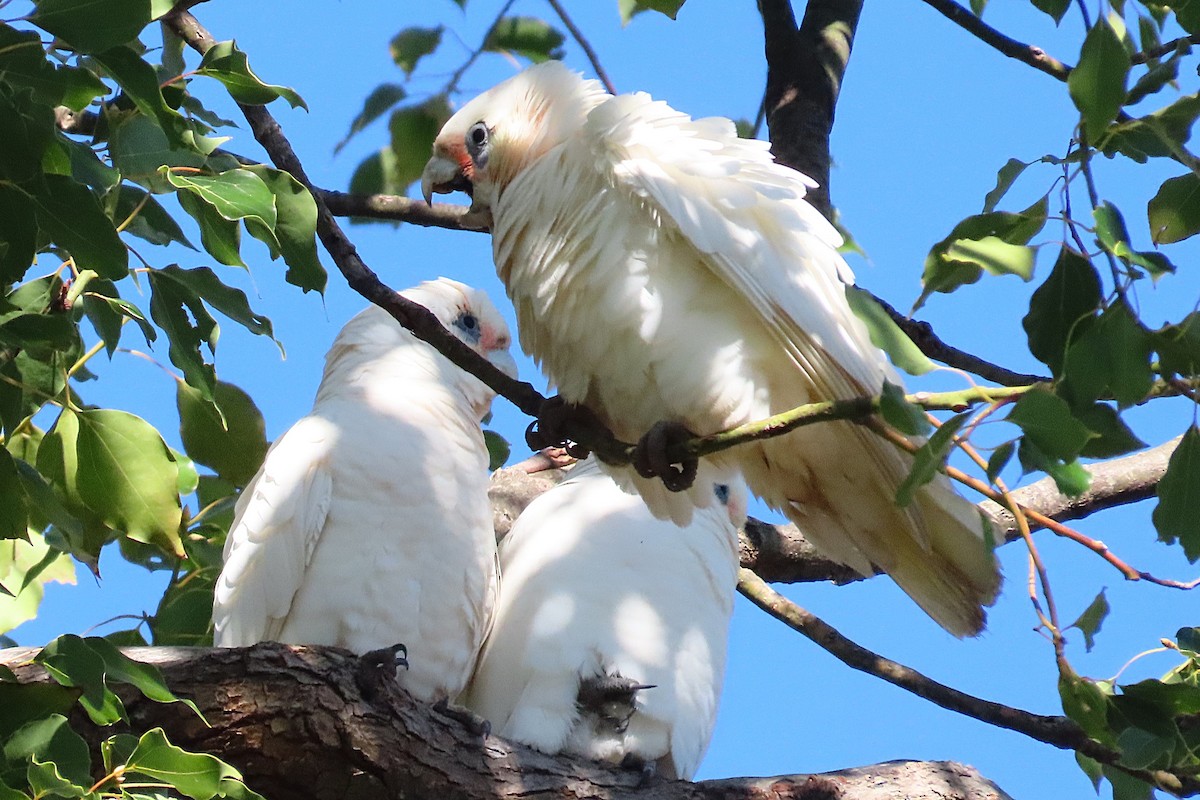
(469, 322)
(479, 135)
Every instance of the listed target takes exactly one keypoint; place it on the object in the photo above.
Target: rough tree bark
(294, 721)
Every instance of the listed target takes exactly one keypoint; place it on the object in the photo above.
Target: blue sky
(927, 116)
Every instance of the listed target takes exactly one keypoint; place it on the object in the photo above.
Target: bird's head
(470, 315)
(493, 138)
(734, 498)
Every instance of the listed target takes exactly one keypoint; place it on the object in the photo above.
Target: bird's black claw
(473, 722)
(651, 461)
(378, 666)
(550, 428)
(638, 764)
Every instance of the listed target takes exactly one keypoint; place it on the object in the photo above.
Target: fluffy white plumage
(664, 269)
(368, 524)
(595, 587)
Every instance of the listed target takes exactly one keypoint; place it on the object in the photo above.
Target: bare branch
(1057, 731)
(1029, 54)
(584, 44)
(1166, 48)
(394, 208)
(295, 723)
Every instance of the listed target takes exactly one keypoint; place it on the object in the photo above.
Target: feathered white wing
(593, 585)
(278, 521)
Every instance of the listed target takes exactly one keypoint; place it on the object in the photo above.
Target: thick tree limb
(295, 723)
(805, 65)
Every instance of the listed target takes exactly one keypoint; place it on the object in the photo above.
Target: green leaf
(221, 238)
(52, 740)
(1177, 515)
(1141, 749)
(906, 417)
(14, 511)
(71, 661)
(999, 460)
(18, 561)
(189, 478)
(1046, 420)
(498, 449)
(886, 334)
(1178, 346)
(234, 449)
(197, 775)
(140, 83)
(533, 38)
(1091, 619)
(628, 8)
(295, 228)
(1111, 356)
(116, 466)
(977, 7)
(381, 100)
(24, 65)
(945, 273)
(1070, 477)
(1174, 212)
(1097, 84)
(173, 306)
(69, 213)
(107, 312)
(1062, 308)
(139, 147)
(87, 168)
(27, 130)
(236, 194)
(93, 25)
(146, 678)
(184, 615)
(1086, 702)
(1011, 170)
(1055, 8)
(18, 230)
(151, 221)
(413, 129)
(1112, 436)
(22, 703)
(929, 458)
(225, 62)
(410, 45)
(231, 302)
(994, 255)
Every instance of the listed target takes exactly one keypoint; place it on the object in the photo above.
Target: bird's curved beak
(442, 176)
(503, 361)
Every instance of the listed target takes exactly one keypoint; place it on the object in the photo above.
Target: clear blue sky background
(927, 116)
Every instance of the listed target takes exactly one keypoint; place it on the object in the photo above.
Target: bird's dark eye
(468, 323)
(721, 490)
(477, 136)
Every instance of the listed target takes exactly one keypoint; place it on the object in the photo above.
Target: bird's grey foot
(610, 699)
(555, 417)
(378, 666)
(651, 461)
(636, 763)
(474, 723)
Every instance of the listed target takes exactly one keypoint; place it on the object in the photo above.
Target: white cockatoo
(663, 269)
(368, 524)
(611, 627)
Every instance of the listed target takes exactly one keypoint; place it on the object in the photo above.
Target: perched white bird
(663, 269)
(611, 627)
(368, 524)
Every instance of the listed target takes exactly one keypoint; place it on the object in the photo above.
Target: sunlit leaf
(117, 466)
(197, 775)
(95, 25)
(17, 559)
(235, 195)
(1097, 84)
(1011, 170)
(1091, 619)
(902, 415)
(886, 334)
(1070, 477)
(221, 238)
(1174, 212)
(530, 37)
(410, 45)
(295, 228)
(225, 62)
(628, 8)
(52, 741)
(929, 458)
(413, 129)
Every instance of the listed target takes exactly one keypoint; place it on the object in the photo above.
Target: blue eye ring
(721, 490)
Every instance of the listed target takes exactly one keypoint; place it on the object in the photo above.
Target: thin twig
(1057, 731)
(1164, 49)
(452, 84)
(584, 44)
(1029, 54)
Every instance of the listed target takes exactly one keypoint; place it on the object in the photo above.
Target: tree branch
(584, 44)
(295, 723)
(805, 66)
(1029, 54)
(1058, 731)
